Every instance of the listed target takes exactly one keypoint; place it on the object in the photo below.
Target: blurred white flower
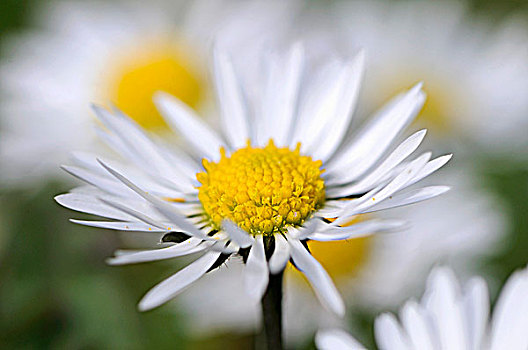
(450, 317)
(475, 74)
(271, 178)
(111, 53)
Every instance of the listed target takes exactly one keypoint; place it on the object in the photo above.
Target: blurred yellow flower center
(443, 97)
(342, 259)
(263, 190)
(135, 76)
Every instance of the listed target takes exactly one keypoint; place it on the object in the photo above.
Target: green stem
(272, 312)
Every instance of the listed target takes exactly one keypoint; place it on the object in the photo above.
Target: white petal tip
(241, 237)
(160, 96)
(275, 269)
(96, 108)
(417, 87)
(339, 310)
(143, 306)
(111, 261)
(443, 189)
(360, 57)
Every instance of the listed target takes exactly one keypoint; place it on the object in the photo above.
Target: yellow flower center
(140, 71)
(263, 190)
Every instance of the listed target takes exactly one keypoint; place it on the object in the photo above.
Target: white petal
(317, 276)
(361, 229)
(476, 307)
(376, 137)
(510, 318)
(163, 207)
(185, 248)
(410, 197)
(88, 204)
(280, 255)
(442, 302)
(140, 216)
(318, 90)
(347, 205)
(331, 209)
(120, 225)
(304, 232)
(231, 101)
(241, 237)
(139, 147)
(231, 248)
(320, 110)
(389, 334)
(92, 172)
(184, 120)
(106, 184)
(173, 285)
(256, 274)
(430, 168)
(279, 100)
(415, 322)
(336, 339)
(114, 142)
(396, 184)
(396, 157)
(332, 132)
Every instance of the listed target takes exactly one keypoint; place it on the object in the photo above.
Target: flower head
(450, 317)
(263, 190)
(281, 174)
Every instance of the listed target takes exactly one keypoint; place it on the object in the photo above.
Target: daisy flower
(450, 316)
(279, 173)
(121, 52)
(476, 74)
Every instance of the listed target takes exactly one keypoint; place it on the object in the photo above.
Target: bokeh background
(56, 291)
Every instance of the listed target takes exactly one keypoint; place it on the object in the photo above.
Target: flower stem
(272, 312)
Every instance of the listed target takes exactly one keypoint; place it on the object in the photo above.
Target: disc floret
(262, 189)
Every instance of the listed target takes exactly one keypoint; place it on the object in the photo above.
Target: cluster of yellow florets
(263, 190)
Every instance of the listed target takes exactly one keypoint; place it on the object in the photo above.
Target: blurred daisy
(477, 76)
(119, 52)
(271, 179)
(450, 317)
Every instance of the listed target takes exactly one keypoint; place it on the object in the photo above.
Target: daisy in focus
(476, 74)
(450, 316)
(279, 173)
(111, 52)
